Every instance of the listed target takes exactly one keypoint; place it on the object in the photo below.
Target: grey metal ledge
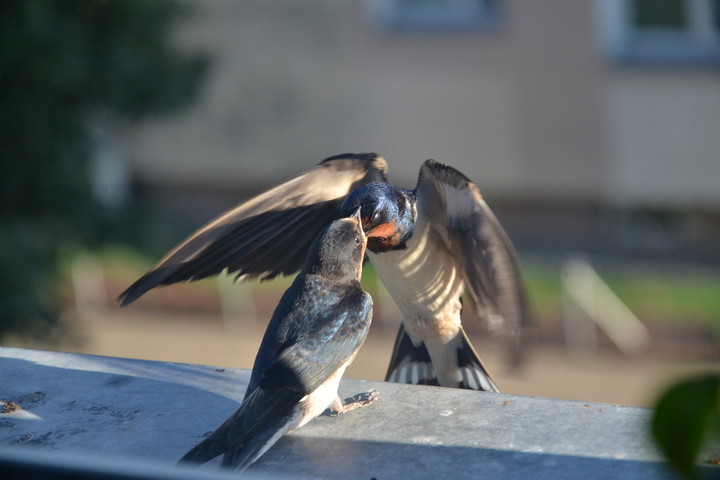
(135, 418)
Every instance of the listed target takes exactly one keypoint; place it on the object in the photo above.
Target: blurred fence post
(88, 278)
(583, 288)
(236, 301)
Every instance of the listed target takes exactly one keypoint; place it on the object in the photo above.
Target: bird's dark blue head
(387, 213)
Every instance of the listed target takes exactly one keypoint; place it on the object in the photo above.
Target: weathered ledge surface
(103, 416)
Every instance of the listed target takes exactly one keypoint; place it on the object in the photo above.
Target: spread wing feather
(481, 247)
(271, 233)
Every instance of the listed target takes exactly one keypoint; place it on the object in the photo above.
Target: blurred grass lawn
(656, 294)
(659, 294)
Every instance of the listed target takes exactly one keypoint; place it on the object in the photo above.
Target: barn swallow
(428, 245)
(314, 334)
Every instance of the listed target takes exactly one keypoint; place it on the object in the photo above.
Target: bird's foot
(358, 401)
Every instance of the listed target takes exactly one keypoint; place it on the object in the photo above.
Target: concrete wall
(531, 110)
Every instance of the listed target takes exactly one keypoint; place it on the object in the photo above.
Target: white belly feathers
(428, 294)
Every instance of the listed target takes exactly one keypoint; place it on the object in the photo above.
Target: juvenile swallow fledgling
(314, 334)
(428, 245)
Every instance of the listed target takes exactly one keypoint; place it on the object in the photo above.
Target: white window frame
(624, 42)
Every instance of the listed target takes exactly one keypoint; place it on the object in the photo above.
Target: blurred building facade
(575, 107)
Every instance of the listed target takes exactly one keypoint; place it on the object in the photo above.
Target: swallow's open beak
(357, 217)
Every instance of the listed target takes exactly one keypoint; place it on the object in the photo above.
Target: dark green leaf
(684, 417)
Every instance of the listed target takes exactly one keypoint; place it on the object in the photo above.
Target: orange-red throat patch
(384, 230)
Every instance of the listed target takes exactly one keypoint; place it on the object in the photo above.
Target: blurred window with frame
(660, 31)
(446, 15)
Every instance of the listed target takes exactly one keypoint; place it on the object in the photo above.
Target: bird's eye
(376, 217)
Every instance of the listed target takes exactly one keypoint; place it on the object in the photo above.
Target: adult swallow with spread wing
(428, 245)
(314, 334)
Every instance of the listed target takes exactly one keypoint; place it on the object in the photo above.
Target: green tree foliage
(62, 64)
